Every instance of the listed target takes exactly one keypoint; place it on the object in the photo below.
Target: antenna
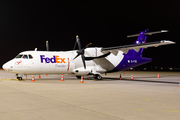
(47, 46)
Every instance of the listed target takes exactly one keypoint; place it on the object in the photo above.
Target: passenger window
(30, 57)
(19, 56)
(25, 57)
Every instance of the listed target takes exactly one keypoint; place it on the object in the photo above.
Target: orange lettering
(57, 59)
(62, 60)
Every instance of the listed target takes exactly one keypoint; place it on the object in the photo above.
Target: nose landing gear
(19, 77)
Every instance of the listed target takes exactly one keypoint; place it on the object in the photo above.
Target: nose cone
(5, 66)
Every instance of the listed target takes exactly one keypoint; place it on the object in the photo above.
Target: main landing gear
(96, 77)
(78, 77)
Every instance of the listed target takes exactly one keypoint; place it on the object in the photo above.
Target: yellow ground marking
(164, 104)
(92, 89)
(157, 102)
(173, 107)
(9, 79)
(6, 79)
(140, 109)
(171, 111)
(147, 99)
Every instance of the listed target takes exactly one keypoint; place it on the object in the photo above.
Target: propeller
(81, 51)
(47, 46)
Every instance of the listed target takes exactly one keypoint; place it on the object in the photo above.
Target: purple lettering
(47, 60)
(42, 58)
(53, 60)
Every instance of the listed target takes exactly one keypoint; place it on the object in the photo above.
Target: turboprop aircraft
(87, 61)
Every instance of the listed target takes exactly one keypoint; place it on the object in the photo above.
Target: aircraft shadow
(137, 80)
(113, 79)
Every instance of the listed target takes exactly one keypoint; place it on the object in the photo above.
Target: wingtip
(164, 30)
(168, 41)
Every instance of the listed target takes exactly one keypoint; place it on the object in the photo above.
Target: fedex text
(54, 59)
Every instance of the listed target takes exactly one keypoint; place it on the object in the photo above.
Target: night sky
(27, 25)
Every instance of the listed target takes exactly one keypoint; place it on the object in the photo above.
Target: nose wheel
(19, 77)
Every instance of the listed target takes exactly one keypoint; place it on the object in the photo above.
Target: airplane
(84, 61)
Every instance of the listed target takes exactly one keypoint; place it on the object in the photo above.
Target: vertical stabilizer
(141, 39)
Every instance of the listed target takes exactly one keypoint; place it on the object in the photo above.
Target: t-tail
(142, 36)
(134, 57)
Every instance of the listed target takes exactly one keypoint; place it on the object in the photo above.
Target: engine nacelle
(81, 71)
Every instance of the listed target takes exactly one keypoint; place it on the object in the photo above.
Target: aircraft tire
(19, 78)
(98, 77)
(78, 77)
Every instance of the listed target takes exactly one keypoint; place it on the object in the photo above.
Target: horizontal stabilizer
(136, 47)
(148, 33)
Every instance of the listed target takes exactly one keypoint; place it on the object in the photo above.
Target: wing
(136, 47)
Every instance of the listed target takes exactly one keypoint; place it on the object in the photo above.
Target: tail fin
(141, 39)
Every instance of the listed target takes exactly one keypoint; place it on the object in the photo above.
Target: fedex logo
(54, 59)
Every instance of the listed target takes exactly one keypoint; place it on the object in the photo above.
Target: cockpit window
(30, 57)
(19, 56)
(25, 57)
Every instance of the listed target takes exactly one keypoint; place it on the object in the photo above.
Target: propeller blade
(78, 42)
(47, 46)
(76, 56)
(87, 46)
(81, 51)
(83, 60)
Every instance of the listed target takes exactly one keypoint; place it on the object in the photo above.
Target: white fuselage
(86, 61)
(47, 62)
